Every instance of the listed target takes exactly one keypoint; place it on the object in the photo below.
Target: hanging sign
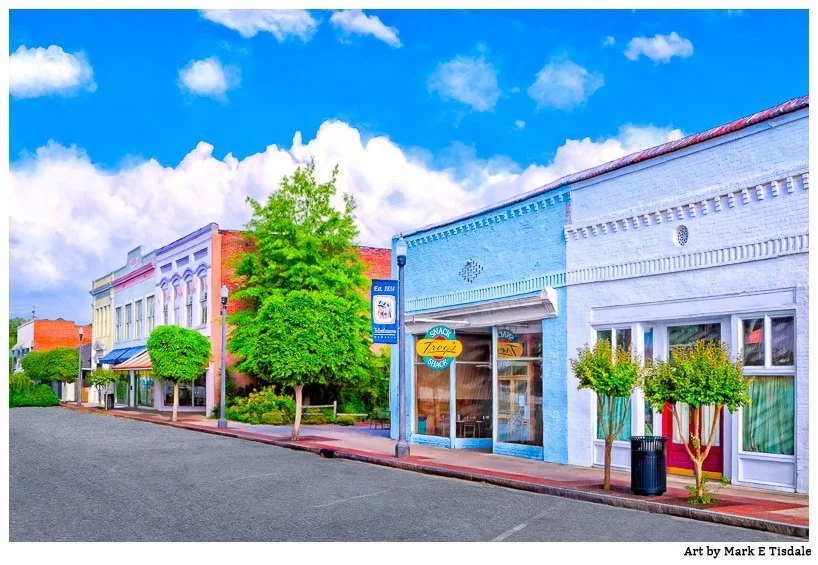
(438, 348)
(384, 295)
(507, 345)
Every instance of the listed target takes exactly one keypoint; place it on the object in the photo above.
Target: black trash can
(109, 401)
(648, 465)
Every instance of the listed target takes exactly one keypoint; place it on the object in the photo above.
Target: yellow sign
(509, 350)
(439, 348)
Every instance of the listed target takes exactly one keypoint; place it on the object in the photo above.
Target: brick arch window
(202, 297)
(189, 301)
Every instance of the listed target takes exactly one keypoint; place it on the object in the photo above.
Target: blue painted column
(554, 384)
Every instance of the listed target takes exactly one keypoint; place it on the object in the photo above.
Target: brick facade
(50, 334)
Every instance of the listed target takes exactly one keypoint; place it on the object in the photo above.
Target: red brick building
(44, 335)
(227, 246)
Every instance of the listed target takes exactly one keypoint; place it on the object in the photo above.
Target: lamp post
(79, 372)
(402, 447)
(223, 388)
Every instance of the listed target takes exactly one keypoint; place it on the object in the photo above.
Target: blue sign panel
(384, 311)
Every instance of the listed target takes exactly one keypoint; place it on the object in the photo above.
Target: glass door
(519, 385)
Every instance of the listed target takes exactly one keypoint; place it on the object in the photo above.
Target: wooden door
(678, 461)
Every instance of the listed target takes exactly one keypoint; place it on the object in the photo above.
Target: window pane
(432, 400)
(783, 330)
(648, 419)
(603, 334)
(611, 416)
(473, 387)
(753, 342)
(519, 407)
(683, 412)
(706, 425)
(768, 423)
(648, 345)
(685, 336)
(623, 339)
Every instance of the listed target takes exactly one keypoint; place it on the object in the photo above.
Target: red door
(678, 461)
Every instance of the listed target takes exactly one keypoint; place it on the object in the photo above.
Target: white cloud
(563, 84)
(519, 124)
(470, 80)
(41, 71)
(515, 90)
(208, 77)
(74, 220)
(280, 23)
(659, 48)
(609, 40)
(356, 22)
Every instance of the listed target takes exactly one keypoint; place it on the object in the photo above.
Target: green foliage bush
(20, 382)
(39, 395)
(345, 420)
(273, 418)
(251, 409)
(315, 419)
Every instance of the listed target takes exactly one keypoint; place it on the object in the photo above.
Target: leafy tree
(611, 376)
(307, 320)
(59, 364)
(102, 379)
(178, 355)
(701, 375)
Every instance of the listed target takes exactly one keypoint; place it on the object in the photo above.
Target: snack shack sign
(438, 348)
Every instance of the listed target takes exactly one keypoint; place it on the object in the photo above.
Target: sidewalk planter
(648, 465)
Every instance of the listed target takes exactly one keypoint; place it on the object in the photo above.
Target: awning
(121, 355)
(142, 361)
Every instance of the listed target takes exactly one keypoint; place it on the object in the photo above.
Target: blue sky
(408, 103)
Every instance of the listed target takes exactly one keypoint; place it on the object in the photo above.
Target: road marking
(520, 527)
(384, 491)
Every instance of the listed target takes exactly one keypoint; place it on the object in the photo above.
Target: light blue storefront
(494, 276)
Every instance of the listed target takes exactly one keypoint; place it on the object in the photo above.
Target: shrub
(273, 418)
(40, 395)
(345, 420)
(20, 382)
(315, 419)
(251, 409)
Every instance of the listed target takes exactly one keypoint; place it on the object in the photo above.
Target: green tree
(178, 355)
(102, 379)
(59, 364)
(611, 376)
(307, 320)
(701, 375)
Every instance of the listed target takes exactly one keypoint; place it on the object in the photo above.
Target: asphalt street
(85, 477)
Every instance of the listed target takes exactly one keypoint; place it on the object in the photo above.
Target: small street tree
(613, 377)
(101, 379)
(701, 375)
(178, 355)
(304, 284)
(59, 364)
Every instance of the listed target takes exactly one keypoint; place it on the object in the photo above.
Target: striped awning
(137, 362)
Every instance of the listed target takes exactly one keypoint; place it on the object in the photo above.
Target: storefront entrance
(678, 461)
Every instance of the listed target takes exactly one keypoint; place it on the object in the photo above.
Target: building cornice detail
(526, 207)
(728, 255)
(720, 202)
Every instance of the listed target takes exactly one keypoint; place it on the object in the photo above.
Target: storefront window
(145, 388)
(648, 336)
(432, 397)
(473, 387)
(753, 349)
(519, 386)
(122, 390)
(768, 421)
(190, 393)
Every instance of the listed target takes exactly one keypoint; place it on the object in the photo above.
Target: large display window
(519, 385)
(473, 387)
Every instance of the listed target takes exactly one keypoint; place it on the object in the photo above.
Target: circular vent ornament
(682, 235)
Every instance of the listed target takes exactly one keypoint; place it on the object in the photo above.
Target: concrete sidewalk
(782, 513)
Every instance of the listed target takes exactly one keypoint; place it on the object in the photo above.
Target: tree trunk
(297, 423)
(175, 400)
(606, 483)
(697, 473)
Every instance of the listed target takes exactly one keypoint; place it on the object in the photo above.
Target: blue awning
(121, 355)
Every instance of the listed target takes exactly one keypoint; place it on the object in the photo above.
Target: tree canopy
(307, 320)
(178, 354)
(59, 364)
(101, 379)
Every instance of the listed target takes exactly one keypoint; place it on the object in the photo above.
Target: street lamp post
(79, 372)
(223, 388)
(402, 447)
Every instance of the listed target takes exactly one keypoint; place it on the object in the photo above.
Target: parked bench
(382, 417)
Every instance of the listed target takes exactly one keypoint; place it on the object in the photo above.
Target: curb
(574, 494)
